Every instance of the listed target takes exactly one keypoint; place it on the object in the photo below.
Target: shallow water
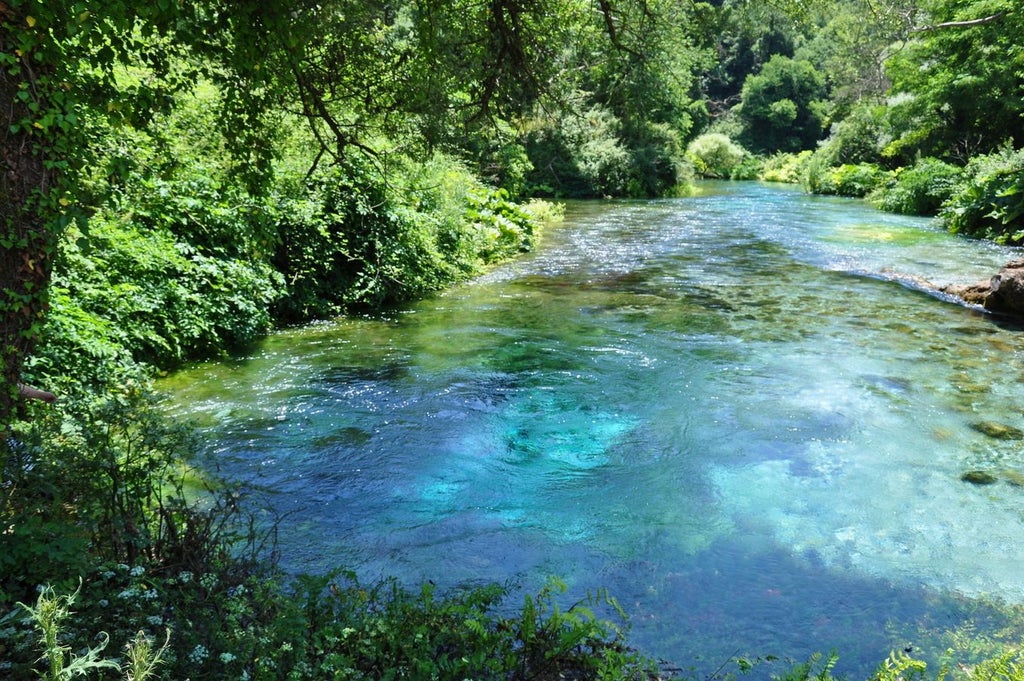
(737, 412)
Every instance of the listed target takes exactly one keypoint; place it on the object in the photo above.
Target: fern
(899, 666)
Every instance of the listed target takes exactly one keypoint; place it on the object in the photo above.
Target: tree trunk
(27, 241)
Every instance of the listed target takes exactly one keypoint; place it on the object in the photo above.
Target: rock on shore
(1002, 294)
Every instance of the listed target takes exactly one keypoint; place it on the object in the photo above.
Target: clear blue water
(735, 411)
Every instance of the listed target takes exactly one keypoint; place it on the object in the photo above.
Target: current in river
(741, 413)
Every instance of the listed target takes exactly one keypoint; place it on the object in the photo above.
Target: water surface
(739, 412)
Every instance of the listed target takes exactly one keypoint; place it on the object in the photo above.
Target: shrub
(598, 153)
(845, 180)
(858, 138)
(334, 627)
(502, 228)
(920, 189)
(349, 240)
(854, 142)
(49, 616)
(783, 167)
(715, 155)
(501, 160)
(857, 180)
(578, 155)
(989, 203)
(658, 165)
(583, 150)
(747, 169)
(146, 291)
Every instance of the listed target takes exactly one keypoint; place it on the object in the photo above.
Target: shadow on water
(743, 598)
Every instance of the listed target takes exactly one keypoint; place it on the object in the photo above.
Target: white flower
(137, 571)
(198, 654)
(226, 657)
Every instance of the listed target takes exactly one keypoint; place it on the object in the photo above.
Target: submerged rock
(1015, 478)
(979, 477)
(998, 431)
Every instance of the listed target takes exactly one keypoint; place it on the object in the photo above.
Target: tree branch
(960, 24)
(610, 29)
(29, 392)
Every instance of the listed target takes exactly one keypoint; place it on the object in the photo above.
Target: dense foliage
(180, 177)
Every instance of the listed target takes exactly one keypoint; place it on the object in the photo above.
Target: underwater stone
(999, 431)
(979, 478)
(1015, 478)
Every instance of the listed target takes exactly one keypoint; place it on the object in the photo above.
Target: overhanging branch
(960, 24)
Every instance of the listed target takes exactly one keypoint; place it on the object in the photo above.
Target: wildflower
(130, 592)
(198, 654)
(226, 657)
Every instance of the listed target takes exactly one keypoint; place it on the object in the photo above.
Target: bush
(919, 190)
(747, 169)
(989, 203)
(146, 291)
(845, 180)
(501, 159)
(333, 627)
(352, 241)
(783, 167)
(715, 155)
(853, 146)
(590, 155)
(581, 155)
(856, 139)
(658, 164)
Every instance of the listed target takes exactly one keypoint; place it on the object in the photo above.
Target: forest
(182, 177)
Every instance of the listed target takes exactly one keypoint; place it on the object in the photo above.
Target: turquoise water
(736, 411)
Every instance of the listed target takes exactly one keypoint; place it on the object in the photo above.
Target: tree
(743, 37)
(851, 49)
(959, 83)
(782, 107)
(58, 63)
(368, 77)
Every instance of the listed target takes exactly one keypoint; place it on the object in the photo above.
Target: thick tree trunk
(27, 242)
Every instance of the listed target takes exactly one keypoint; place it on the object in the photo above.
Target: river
(729, 410)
